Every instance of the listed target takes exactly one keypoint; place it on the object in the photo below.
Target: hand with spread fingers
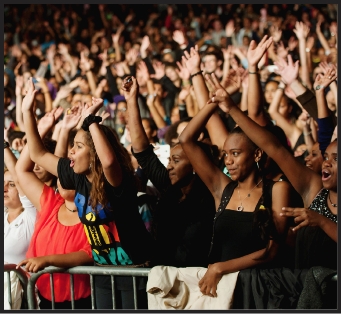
(323, 81)
(192, 60)
(208, 284)
(72, 117)
(256, 52)
(219, 94)
(287, 70)
(302, 217)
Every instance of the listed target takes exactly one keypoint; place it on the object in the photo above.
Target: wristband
(6, 144)
(90, 119)
(306, 134)
(253, 72)
(197, 73)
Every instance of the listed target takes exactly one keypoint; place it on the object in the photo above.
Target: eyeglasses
(122, 110)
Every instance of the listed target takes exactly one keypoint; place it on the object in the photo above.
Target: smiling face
(178, 166)
(11, 194)
(314, 160)
(79, 154)
(329, 167)
(240, 156)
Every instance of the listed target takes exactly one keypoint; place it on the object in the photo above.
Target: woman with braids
(100, 172)
(248, 229)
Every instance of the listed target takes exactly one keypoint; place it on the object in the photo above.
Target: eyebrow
(79, 143)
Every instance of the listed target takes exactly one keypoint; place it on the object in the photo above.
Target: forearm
(160, 123)
(18, 113)
(118, 56)
(139, 139)
(48, 101)
(69, 260)
(104, 150)
(91, 80)
(304, 66)
(61, 149)
(248, 261)
(10, 161)
(297, 87)
(322, 107)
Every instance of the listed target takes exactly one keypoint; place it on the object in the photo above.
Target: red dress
(51, 237)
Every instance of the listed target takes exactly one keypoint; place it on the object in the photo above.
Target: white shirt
(18, 233)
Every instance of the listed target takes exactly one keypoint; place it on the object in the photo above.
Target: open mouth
(72, 163)
(325, 175)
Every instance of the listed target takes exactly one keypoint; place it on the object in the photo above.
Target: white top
(18, 233)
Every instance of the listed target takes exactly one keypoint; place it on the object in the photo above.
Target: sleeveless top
(233, 232)
(313, 246)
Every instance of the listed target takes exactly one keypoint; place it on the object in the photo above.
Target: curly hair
(97, 193)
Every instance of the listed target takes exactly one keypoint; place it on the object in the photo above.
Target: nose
(71, 151)
(307, 158)
(228, 160)
(169, 166)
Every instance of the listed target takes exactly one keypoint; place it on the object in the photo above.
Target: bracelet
(253, 72)
(192, 75)
(90, 119)
(306, 134)
(280, 87)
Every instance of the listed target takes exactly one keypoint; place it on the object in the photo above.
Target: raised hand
(183, 70)
(234, 80)
(104, 115)
(282, 52)
(145, 43)
(46, 123)
(93, 108)
(292, 43)
(229, 28)
(324, 80)
(325, 67)
(72, 117)
(27, 103)
(218, 92)
(179, 37)
(310, 42)
(276, 33)
(132, 92)
(159, 68)
(143, 69)
(287, 70)
(19, 84)
(301, 30)
(256, 52)
(303, 217)
(192, 60)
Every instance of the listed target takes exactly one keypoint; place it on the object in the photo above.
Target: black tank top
(233, 232)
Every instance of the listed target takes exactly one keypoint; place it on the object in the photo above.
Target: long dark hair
(97, 193)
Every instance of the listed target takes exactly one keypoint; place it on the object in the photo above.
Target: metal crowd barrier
(23, 280)
(85, 270)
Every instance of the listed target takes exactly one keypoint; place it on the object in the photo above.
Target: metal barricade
(21, 274)
(85, 270)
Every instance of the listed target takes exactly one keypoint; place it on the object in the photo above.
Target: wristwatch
(6, 144)
(318, 87)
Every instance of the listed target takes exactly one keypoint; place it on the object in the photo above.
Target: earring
(90, 167)
(193, 172)
(257, 165)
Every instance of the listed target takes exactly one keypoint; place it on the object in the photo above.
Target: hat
(119, 98)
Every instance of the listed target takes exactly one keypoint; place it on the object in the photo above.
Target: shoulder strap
(226, 196)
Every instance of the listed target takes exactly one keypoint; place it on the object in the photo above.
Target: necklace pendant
(240, 208)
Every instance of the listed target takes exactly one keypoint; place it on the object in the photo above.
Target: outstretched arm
(31, 185)
(211, 175)
(38, 152)
(306, 182)
(215, 126)
(139, 139)
(255, 99)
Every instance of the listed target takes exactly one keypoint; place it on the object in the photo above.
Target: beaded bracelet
(196, 74)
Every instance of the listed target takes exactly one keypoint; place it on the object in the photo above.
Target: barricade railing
(85, 270)
(21, 274)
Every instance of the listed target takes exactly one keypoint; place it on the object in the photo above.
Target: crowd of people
(179, 135)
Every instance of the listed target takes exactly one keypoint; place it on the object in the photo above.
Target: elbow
(183, 139)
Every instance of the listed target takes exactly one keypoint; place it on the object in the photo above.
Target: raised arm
(139, 139)
(215, 126)
(19, 83)
(10, 161)
(255, 99)
(70, 121)
(31, 185)
(302, 30)
(38, 153)
(306, 182)
(106, 154)
(212, 176)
